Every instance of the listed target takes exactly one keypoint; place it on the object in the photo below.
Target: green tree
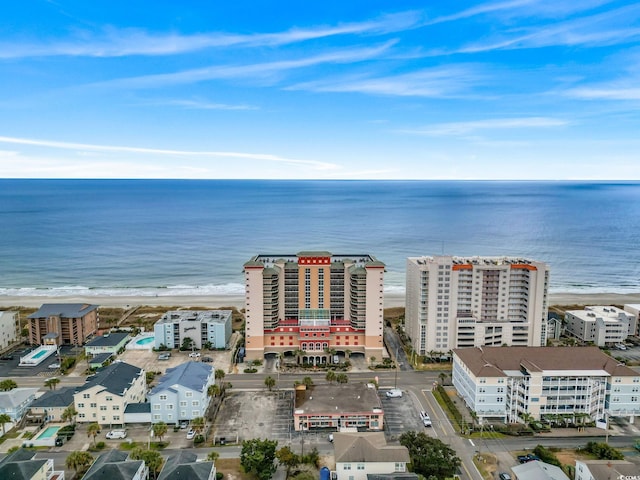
(219, 374)
(68, 414)
(159, 430)
(269, 382)
(152, 459)
(342, 378)
(330, 376)
(213, 456)
(288, 458)
(51, 383)
(198, 424)
(187, 343)
(258, 457)
(547, 456)
(79, 461)
(307, 382)
(92, 431)
(6, 385)
(213, 390)
(4, 419)
(430, 456)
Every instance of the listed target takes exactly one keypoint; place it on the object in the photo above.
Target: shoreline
(391, 300)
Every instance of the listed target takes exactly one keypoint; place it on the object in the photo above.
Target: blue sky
(511, 89)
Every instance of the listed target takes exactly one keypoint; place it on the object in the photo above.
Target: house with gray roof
(51, 405)
(100, 360)
(184, 465)
(16, 402)
(106, 394)
(366, 453)
(63, 324)
(116, 465)
(21, 465)
(181, 393)
(605, 470)
(538, 471)
(107, 343)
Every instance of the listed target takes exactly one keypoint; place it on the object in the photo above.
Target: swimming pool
(49, 432)
(145, 341)
(39, 354)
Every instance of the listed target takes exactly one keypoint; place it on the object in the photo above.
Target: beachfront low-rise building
(105, 395)
(182, 393)
(111, 343)
(634, 309)
(600, 325)
(63, 324)
(514, 384)
(312, 304)
(457, 302)
(206, 329)
(363, 454)
(354, 405)
(9, 329)
(52, 404)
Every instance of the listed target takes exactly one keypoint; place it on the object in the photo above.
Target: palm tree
(79, 461)
(68, 414)
(213, 390)
(298, 353)
(330, 376)
(4, 418)
(159, 430)
(6, 385)
(307, 382)
(219, 374)
(51, 383)
(213, 456)
(92, 431)
(198, 424)
(342, 378)
(442, 376)
(347, 354)
(269, 382)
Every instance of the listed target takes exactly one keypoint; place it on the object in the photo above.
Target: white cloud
(114, 42)
(463, 128)
(605, 93)
(83, 147)
(199, 105)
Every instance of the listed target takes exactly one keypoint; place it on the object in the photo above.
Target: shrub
(250, 370)
(547, 455)
(219, 476)
(604, 451)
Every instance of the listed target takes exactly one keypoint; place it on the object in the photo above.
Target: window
(169, 406)
(188, 394)
(156, 406)
(86, 395)
(195, 403)
(116, 417)
(360, 466)
(116, 407)
(81, 405)
(163, 397)
(347, 466)
(103, 408)
(183, 404)
(93, 405)
(109, 399)
(81, 415)
(157, 417)
(196, 413)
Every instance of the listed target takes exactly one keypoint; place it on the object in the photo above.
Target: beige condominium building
(457, 302)
(313, 305)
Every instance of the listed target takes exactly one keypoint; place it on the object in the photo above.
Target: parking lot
(10, 368)
(630, 355)
(401, 414)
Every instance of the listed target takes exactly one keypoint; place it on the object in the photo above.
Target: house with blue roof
(181, 394)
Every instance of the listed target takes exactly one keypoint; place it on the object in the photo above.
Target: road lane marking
(471, 442)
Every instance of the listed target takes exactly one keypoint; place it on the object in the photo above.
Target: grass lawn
(232, 469)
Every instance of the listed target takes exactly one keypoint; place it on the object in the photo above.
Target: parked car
(504, 476)
(426, 420)
(621, 346)
(116, 434)
(190, 434)
(60, 441)
(206, 359)
(194, 354)
(7, 357)
(164, 356)
(331, 437)
(54, 366)
(394, 393)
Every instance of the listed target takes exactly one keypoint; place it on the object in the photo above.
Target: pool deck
(37, 356)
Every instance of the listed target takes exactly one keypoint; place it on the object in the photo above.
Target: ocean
(181, 237)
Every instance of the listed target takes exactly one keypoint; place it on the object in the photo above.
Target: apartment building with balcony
(314, 302)
(515, 384)
(602, 325)
(62, 324)
(457, 302)
(210, 328)
(9, 329)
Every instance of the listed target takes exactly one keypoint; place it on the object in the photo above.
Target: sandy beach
(390, 300)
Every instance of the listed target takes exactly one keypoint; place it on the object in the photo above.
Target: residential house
(16, 402)
(9, 329)
(184, 465)
(137, 413)
(181, 393)
(116, 465)
(361, 454)
(63, 324)
(51, 405)
(21, 465)
(511, 384)
(100, 360)
(105, 395)
(605, 470)
(107, 343)
(538, 471)
(331, 406)
(205, 328)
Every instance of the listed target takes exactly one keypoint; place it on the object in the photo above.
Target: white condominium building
(456, 302)
(604, 326)
(514, 384)
(310, 303)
